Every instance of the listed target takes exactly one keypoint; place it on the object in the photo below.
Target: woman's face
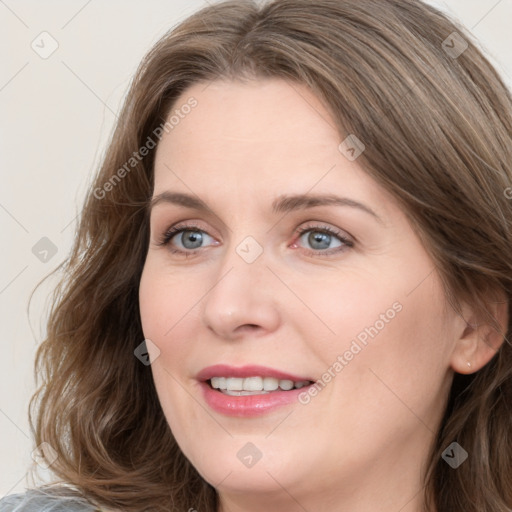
(261, 281)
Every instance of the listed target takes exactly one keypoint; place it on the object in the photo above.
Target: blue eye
(190, 238)
(319, 238)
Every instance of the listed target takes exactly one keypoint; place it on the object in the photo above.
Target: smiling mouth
(239, 386)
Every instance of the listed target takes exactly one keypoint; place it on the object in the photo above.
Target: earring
(469, 364)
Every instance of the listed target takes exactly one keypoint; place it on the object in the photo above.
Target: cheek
(169, 313)
(161, 309)
(149, 301)
(389, 338)
(399, 370)
(165, 299)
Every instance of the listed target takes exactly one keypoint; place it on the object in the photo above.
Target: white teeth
(270, 384)
(218, 382)
(286, 385)
(235, 384)
(253, 385)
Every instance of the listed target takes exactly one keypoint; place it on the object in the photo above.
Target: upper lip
(224, 370)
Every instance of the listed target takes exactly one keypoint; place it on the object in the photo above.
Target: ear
(479, 340)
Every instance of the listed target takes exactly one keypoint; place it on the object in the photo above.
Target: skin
(362, 443)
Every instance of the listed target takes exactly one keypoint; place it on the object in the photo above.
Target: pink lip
(224, 370)
(249, 405)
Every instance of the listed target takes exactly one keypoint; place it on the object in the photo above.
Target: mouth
(258, 385)
(250, 391)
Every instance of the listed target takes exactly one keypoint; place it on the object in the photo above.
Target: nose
(242, 299)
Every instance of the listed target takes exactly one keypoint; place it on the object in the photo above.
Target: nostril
(247, 327)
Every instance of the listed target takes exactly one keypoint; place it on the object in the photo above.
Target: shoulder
(47, 500)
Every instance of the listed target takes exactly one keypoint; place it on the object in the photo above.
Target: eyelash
(173, 231)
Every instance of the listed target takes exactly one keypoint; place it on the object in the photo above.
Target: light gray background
(55, 117)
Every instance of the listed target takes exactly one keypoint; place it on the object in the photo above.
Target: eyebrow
(283, 204)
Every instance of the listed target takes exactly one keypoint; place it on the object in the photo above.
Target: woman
(290, 285)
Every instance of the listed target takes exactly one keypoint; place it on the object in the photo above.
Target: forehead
(241, 119)
(258, 138)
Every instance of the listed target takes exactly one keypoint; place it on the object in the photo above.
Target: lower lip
(249, 405)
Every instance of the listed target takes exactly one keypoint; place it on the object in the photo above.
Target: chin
(238, 466)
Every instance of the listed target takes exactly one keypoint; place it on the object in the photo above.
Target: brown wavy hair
(438, 134)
